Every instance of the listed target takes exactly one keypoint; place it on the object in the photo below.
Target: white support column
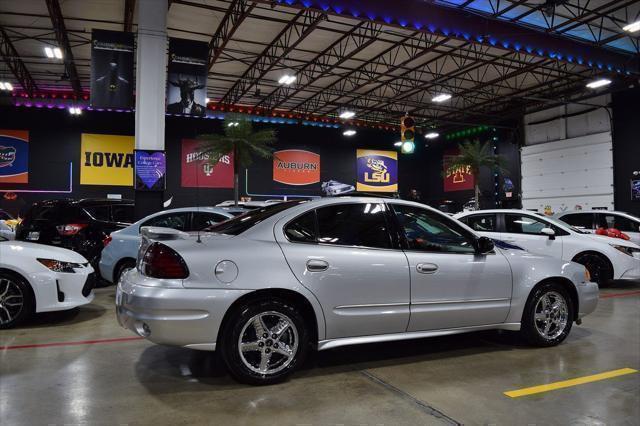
(151, 73)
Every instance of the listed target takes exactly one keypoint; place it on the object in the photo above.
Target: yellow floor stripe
(568, 383)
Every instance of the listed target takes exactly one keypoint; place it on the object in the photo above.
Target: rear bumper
(588, 294)
(172, 316)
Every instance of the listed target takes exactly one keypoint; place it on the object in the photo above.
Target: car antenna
(198, 164)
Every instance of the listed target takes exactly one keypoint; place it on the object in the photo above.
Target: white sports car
(39, 278)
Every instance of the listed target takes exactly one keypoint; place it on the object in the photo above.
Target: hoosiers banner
(14, 156)
(187, 79)
(111, 69)
(198, 172)
(106, 160)
(296, 167)
(459, 178)
(377, 171)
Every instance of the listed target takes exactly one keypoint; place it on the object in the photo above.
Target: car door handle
(314, 265)
(426, 268)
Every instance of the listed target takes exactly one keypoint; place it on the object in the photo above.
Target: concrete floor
(457, 379)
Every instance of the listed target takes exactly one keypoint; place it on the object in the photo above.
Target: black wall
(626, 148)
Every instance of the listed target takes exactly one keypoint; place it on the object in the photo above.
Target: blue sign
(150, 170)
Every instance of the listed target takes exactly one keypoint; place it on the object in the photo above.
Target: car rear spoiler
(159, 234)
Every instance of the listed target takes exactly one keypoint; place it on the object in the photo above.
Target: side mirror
(484, 245)
(548, 232)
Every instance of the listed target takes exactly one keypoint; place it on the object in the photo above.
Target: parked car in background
(78, 225)
(591, 220)
(333, 188)
(249, 205)
(37, 278)
(7, 231)
(121, 248)
(265, 287)
(605, 258)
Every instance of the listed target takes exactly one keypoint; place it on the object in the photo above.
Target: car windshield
(241, 223)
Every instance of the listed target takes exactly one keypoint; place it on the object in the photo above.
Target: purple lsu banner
(377, 171)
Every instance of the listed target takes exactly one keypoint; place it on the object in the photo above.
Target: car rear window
(99, 212)
(241, 223)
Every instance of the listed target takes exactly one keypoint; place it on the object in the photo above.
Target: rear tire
(122, 268)
(548, 315)
(16, 300)
(264, 342)
(598, 266)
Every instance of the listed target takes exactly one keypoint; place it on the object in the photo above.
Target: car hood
(34, 250)
(611, 240)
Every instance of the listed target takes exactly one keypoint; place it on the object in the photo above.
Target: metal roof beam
(235, 15)
(12, 59)
(129, 6)
(55, 13)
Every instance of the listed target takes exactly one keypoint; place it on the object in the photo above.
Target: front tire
(548, 315)
(16, 300)
(264, 342)
(599, 267)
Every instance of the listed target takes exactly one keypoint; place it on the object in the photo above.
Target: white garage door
(563, 174)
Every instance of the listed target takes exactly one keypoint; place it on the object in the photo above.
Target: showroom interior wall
(626, 148)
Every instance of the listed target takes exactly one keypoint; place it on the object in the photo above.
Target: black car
(79, 225)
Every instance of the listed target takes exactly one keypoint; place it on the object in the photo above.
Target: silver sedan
(266, 287)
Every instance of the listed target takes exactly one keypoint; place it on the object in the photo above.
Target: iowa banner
(111, 69)
(14, 156)
(106, 160)
(377, 171)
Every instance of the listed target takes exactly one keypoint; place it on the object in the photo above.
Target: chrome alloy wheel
(268, 343)
(11, 300)
(551, 315)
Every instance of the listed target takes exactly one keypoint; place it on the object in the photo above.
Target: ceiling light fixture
(441, 98)
(349, 132)
(5, 85)
(632, 28)
(399, 143)
(233, 124)
(57, 53)
(431, 135)
(49, 52)
(347, 115)
(75, 111)
(287, 79)
(599, 83)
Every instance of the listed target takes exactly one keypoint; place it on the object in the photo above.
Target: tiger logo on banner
(377, 171)
(106, 160)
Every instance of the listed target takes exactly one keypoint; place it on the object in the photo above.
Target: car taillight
(106, 240)
(70, 228)
(160, 261)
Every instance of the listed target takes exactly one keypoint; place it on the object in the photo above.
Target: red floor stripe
(629, 293)
(81, 342)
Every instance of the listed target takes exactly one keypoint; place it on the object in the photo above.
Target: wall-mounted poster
(199, 172)
(635, 190)
(111, 69)
(377, 171)
(187, 79)
(456, 179)
(106, 160)
(296, 167)
(14, 156)
(150, 170)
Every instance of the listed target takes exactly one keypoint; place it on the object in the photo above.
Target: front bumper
(588, 294)
(631, 274)
(172, 316)
(59, 291)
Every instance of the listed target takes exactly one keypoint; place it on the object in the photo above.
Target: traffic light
(407, 134)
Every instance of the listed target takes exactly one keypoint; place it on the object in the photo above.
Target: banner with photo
(187, 79)
(459, 178)
(14, 156)
(197, 170)
(150, 170)
(377, 171)
(296, 167)
(111, 69)
(106, 160)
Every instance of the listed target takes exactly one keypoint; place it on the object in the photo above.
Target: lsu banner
(14, 156)
(187, 79)
(106, 160)
(198, 172)
(296, 167)
(111, 69)
(456, 179)
(377, 171)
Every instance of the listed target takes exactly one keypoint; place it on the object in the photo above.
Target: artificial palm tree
(240, 139)
(474, 156)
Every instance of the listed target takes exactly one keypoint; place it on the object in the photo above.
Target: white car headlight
(60, 266)
(630, 251)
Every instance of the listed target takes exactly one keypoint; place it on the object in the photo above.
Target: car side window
(362, 224)
(302, 229)
(203, 219)
(122, 213)
(481, 222)
(171, 220)
(428, 231)
(522, 224)
(579, 220)
(620, 223)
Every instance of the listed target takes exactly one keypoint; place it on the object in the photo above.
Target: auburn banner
(458, 178)
(377, 171)
(198, 172)
(296, 167)
(106, 160)
(14, 156)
